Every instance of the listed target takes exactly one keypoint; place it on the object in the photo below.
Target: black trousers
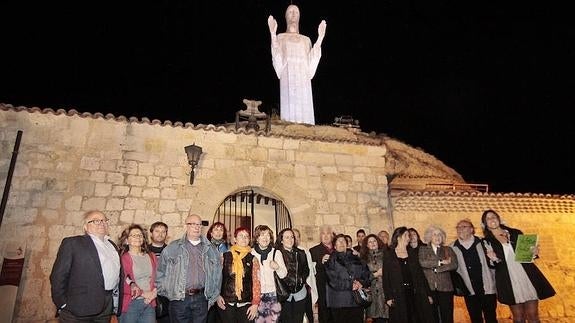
(308, 306)
(324, 314)
(292, 312)
(104, 317)
(482, 304)
(443, 306)
(347, 315)
(234, 314)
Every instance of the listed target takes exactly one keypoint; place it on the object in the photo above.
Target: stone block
(169, 193)
(93, 203)
(115, 178)
(115, 204)
(103, 189)
(136, 191)
(134, 180)
(84, 188)
(90, 163)
(151, 193)
(134, 203)
(127, 216)
(162, 170)
(97, 176)
(270, 142)
(183, 204)
(153, 181)
(108, 165)
(145, 169)
(167, 206)
(128, 167)
(120, 190)
(54, 201)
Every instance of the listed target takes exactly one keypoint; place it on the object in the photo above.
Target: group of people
(207, 278)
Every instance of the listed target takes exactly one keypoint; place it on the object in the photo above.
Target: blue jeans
(192, 309)
(139, 312)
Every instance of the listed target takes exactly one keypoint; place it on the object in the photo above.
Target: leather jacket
(297, 269)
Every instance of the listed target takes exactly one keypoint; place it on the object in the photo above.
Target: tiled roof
(437, 201)
(332, 136)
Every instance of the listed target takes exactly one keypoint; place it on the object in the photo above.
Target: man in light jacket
(474, 268)
(190, 274)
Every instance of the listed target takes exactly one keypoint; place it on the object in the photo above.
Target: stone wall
(138, 172)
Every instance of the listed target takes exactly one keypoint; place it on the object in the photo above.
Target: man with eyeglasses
(478, 277)
(85, 273)
(189, 274)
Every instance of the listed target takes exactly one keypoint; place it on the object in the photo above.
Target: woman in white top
(519, 285)
(269, 308)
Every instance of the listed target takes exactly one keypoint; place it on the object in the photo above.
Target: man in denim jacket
(190, 274)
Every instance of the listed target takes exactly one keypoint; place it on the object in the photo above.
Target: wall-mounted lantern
(193, 153)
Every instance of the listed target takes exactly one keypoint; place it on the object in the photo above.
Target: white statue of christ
(295, 62)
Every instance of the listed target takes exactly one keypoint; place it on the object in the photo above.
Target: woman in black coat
(519, 285)
(295, 260)
(404, 285)
(345, 273)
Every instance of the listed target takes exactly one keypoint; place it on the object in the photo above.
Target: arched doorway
(250, 208)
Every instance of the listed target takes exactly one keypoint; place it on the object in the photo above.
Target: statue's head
(292, 14)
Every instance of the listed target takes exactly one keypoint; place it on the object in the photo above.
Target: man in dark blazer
(85, 273)
(320, 254)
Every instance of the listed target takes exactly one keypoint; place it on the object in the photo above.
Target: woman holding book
(519, 285)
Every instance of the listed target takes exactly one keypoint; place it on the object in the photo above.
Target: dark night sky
(483, 87)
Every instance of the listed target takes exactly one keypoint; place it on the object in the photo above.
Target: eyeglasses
(136, 235)
(99, 221)
(194, 224)
(462, 227)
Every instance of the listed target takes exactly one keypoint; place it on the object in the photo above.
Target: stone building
(300, 175)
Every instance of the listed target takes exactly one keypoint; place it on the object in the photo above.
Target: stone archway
(250, 207)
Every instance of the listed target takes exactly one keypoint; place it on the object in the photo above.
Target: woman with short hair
(437, 261)
(240, 293)
(269, 308)
(345, 273)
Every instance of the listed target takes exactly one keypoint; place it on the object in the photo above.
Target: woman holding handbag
(295, 260)
(345, 274)
(271, 264)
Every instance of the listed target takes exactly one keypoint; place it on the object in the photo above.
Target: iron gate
(238, 210)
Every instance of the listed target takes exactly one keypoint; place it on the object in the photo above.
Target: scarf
(238, 253)
(217, 242)
(264, 252)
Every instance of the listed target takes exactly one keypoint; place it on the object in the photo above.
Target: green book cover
(524, 247)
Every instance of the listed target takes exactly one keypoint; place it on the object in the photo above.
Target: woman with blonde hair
(437, 261)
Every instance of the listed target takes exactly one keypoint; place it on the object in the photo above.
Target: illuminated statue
(295, 62)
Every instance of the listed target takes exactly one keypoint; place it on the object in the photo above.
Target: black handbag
(362, 297)
(282, 291)
(162, 305)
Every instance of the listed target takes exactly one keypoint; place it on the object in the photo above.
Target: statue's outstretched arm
(320, 33)
(273, 26)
